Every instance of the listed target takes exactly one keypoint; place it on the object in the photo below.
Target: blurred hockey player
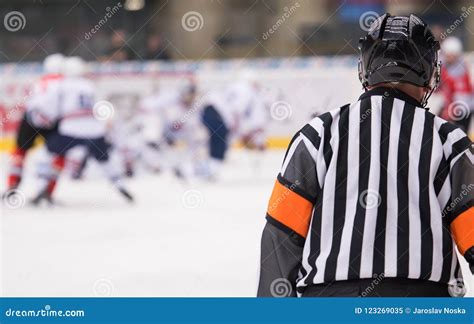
(238, 112)
(176, 111)
(79, 125)
(456, 87)
(124, 134)
(39, 119)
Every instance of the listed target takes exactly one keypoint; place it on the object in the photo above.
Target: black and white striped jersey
(378, 187)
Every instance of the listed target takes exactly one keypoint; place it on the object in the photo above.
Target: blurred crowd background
(113, 30)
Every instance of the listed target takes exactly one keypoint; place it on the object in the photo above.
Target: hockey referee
(376, 197)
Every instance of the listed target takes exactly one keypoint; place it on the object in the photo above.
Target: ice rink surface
(178, 239)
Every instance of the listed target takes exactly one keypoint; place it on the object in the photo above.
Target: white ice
(178, 239)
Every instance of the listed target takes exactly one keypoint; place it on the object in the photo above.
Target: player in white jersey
(176, 111)
(39, 119)
(238, 113)
(79, 125)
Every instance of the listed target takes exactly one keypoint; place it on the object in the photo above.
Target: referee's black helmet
(399, 49)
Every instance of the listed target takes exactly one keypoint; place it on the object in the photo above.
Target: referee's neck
(415, 92)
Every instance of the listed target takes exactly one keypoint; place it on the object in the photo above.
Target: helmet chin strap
(437, 77)
(427, 96)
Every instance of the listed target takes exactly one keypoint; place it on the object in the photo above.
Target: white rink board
(305, 86)
(97, 245)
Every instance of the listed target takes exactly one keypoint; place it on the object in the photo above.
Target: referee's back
(380, 191)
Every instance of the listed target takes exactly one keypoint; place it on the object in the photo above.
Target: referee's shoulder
(322, 122)
(320, 125)
(453, 138)
(447, 130)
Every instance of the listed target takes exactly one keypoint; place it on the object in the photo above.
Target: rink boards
(294, 89)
